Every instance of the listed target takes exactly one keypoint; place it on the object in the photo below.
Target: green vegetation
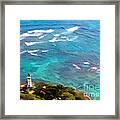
(42, 91)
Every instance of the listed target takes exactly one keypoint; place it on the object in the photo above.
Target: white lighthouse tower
(29, 81)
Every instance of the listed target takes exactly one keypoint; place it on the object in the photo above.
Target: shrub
(27, 96)
(67, 96)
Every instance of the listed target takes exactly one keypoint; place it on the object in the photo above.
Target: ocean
(62, 52)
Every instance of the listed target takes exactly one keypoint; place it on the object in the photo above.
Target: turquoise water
(62, 52)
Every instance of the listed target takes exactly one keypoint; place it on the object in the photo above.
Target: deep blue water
(62, 52)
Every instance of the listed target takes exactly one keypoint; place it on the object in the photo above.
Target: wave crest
(35, 33)
(72, 29)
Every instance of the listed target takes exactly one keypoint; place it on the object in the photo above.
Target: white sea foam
(63, 37)
(86, 63)
(69, 30)
(76, 66)
(44, 51)
(93, 68)
(34, 54)
(32, 51)
(25, 35)
(34, 33)
(41, 31)
(58, 40)
(23, 52)
(41, 36)
(56, 35)
(30, 34)
(32, 43)
(53, 40)
(21, 38)
(72, 29)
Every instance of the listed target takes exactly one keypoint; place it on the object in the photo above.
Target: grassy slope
(42, 91)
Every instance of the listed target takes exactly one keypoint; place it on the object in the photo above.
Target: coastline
(45, 91)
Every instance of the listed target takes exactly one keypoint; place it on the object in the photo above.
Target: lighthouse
(29, 81)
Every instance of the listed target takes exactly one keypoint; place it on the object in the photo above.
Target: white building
(29, 81)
